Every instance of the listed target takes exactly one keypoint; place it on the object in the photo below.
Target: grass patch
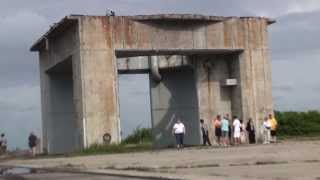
(270, 162)
(139, 136)
(139, 140)
(116, 148)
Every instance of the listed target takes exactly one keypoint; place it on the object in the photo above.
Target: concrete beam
(141, 64)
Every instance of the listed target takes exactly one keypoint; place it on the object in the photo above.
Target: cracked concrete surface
(285, 160)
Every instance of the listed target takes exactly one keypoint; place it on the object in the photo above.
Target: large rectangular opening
(198, 76)
(61, 127)
(145, 102)
(174, 97)
(134, 101)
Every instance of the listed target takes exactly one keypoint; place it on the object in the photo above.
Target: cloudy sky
(294, 43)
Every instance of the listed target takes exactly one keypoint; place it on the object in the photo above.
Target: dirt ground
(284, 160)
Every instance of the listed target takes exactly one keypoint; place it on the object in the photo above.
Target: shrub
(139, 136)
(298, 123)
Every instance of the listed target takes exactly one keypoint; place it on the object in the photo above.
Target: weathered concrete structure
(199, 66)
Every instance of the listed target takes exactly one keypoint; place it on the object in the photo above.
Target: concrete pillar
(255, 73)
(44, 86)
(99, 81)
(214, 98)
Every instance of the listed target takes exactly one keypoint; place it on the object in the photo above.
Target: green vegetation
(297, 124)
(116, 148)
(139, 140)
(139, 136)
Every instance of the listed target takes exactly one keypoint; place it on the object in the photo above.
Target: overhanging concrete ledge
(148, 52)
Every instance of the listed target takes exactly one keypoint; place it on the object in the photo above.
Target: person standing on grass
(236, 130)
(32, 142)
(205, 133)
(251, 131)
(266, 127)
(225, 131)
(217, 129)
(179, 131)
(274, 125)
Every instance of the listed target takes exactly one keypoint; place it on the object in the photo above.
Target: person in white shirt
(237, 130)
(179, 131)
(266, 127)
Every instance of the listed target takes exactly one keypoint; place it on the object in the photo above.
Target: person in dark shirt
(33, 143)
(251, 131)
(3, 143)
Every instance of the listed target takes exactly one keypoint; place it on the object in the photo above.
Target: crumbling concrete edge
(115, 173)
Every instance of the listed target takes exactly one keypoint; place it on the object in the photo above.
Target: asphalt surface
(62, 176)
(287, 160)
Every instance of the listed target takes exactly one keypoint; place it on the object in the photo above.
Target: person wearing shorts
(225, 131)
(217, 128)
(237, 130)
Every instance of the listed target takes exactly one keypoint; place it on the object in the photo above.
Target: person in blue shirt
(225, 131)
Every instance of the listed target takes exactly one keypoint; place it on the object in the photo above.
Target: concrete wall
(60, 49)
(214, 97)
(174, 97)
(94, 42)
(249, 34)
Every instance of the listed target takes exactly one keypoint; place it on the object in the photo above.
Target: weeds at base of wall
(139, 140)
(116, 148)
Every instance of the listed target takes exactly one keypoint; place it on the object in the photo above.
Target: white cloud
(299, 6)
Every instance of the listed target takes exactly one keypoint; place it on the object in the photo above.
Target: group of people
(229, 132)
(33, 141)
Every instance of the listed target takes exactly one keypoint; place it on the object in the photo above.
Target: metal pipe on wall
(154, 68)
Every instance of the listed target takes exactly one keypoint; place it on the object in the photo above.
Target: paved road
(63, 176)
(286, 160)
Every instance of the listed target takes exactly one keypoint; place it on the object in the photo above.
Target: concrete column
(99, 81)
(255, 73)
(45, 100)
